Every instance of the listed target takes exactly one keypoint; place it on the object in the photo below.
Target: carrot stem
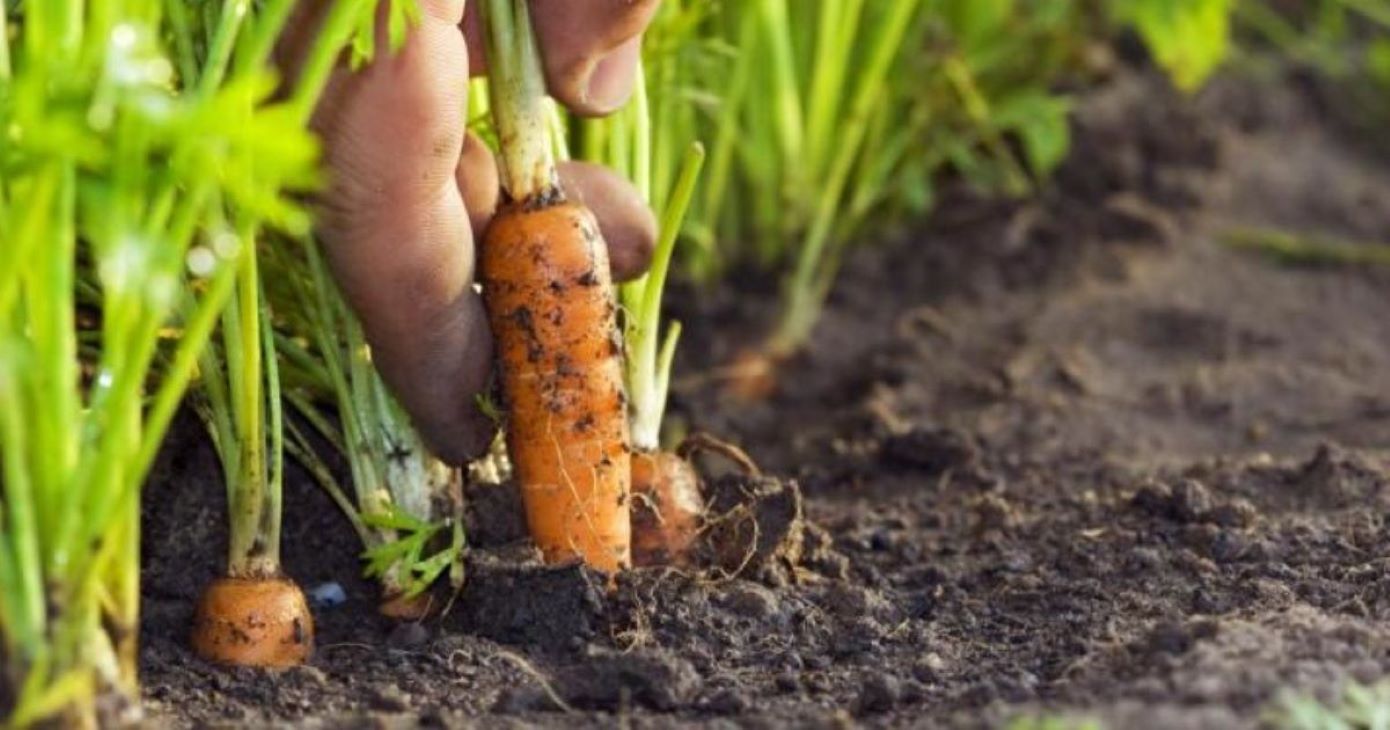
(517, 85)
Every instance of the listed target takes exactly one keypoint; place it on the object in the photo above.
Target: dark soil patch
(1069, 455)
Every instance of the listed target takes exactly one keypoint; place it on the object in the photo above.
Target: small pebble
(727, 702)
(327, 595)
(408, 635)
(1190, 500)
(308, 673)
(390, 698)
(929, 668)
(879, 693)
(1238, 513)
(751, 600)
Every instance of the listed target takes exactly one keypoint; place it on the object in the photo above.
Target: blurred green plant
(1344, 44)
(832, 117)
(1188, 38)
(1053, 722)
(144, 155)
(1360, 707)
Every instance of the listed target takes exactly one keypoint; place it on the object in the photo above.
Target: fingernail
(611, 78)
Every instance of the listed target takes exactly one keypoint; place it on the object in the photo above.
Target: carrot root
(752, 376)
(667, 509)
(254, 622)
(547, 288)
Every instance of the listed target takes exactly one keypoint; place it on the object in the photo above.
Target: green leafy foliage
(1189, 38)
(400, 17)
(145, 154)
(835, 117)
(407, 557)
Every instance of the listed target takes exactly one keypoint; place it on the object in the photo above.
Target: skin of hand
(411, 191)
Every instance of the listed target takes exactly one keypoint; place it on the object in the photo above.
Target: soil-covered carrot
(667, 508)
(253, 615)
(550, 301)
(254, 622)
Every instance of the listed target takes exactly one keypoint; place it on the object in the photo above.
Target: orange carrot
(254, 622)
(666, 509)
(752, 377)
(550, 301)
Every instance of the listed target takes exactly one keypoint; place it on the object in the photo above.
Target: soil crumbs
(1072, 456)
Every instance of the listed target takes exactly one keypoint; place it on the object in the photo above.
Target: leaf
(1378, 61)
(1042, 123)
(401, 15)
(1189, 38)
(975, 23)
(393, 518)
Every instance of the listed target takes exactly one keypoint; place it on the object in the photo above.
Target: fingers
(591, 49)
(397, 233)
(625, 220)
(479, 181)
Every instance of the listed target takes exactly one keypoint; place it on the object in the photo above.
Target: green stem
(270, 531)
(323, 56)
(647, 375)
(6, 72)
(517, 86)
(179, 373)
(642, 134)
(835, 33)
(220, 48)
(786, 101)
(252, 551)
(271, 20)
(727, 134)
(299, 448)
(19, 490)
(803, 298)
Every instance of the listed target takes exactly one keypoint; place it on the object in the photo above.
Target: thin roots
(701, 442)
(520, 663)
(574, 491)
(718, 575)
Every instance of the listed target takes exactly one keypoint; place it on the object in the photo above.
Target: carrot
(549, 296)
(549, 299)
(752, 377)
(666, 508)
(668, 511)
(254, 622)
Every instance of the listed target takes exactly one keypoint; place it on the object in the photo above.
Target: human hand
(411, 191)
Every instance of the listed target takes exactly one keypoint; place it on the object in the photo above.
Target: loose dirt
(1069, 456)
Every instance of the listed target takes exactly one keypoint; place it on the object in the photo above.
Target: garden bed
(1075, 456)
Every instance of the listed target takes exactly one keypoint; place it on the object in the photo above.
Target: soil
(1067, 456)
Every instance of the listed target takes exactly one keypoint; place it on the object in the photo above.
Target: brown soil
(1070, 455)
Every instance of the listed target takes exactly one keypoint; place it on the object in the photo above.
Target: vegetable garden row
(157, 249)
